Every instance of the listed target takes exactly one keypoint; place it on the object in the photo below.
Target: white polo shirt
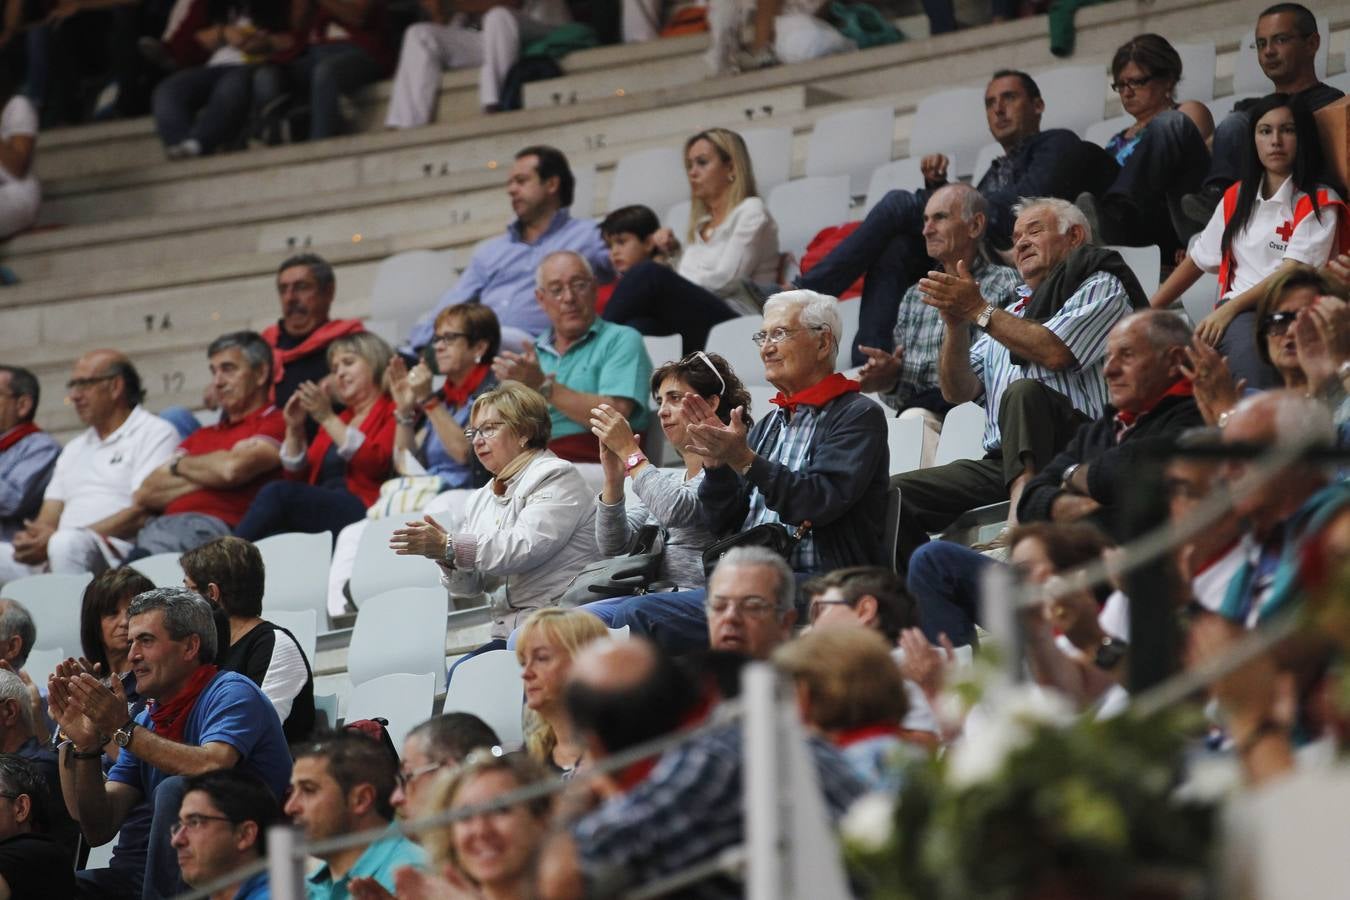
(1269, 239)
(96, 477)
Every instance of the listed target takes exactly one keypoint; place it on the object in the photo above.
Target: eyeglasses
(79, 384)
(8, 796)
(817, 607)
(1276, 324)
(447, 337)
(194, 821)
(408, 776)
(780, 334)
(575, 287)
(1279, 40)
(487, 431)
(1133, 84)
(750, 607)
(703, 357)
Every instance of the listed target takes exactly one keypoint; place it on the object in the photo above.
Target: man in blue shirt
(221, 828)
(27, 453)
(202, 719)
(501, 272)
(342, 785)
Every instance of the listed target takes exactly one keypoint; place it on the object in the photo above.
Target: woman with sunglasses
(664, 498)
(1163, 154)
(1277, 215)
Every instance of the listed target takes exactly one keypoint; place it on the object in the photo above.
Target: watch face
(634, 459)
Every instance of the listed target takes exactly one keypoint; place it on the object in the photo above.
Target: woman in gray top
(664, 497)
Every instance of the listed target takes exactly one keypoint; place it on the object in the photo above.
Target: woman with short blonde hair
(545, 647)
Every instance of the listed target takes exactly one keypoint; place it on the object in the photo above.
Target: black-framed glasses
(408, 776)
(1133, 84)
(487, 431)
(1277, 323)
(447, 337)
(79, 384)
(194, 821)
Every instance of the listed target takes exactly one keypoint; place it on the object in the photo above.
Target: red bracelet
(431, 402)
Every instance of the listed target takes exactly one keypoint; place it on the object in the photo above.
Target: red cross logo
(1285, 230)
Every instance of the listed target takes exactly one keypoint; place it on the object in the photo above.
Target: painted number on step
(173, 381)
(596, 141)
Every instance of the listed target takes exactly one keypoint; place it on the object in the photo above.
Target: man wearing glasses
(221, 828)
(87, 517)
(32, 864)
(1286, 46)
(581, 361)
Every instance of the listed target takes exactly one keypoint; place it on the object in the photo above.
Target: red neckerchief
(1125, 419)
(456, 395)
(818, 394)
(850, 736)
(316, 340)
(170, 719)
(380, 410)
(16, 434)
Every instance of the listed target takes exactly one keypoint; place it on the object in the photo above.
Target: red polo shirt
(230, 504)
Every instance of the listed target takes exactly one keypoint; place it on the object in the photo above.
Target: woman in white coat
(527, 532)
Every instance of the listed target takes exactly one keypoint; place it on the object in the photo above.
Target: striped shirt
(1082, 324)
(790, 445)
(919, 329)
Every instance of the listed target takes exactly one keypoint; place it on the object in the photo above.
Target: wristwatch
(1066, 480)
(122, 737)
(632, 461)
(1110, 653)
(546, 389)
(982, 320)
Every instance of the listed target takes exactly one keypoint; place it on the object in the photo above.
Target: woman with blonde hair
(545, 647)
(329, 483)
(731, 239)
(526, 533)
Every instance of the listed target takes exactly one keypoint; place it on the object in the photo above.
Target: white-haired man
(581, 361)
(1037, 369)
(819, 459)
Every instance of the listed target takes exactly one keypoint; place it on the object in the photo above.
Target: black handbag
(778, 538)
(619, 576)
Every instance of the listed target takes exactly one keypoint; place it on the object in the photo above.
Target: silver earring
(732, 177)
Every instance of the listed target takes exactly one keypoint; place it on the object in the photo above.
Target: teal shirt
(610, 359)
(380, 861)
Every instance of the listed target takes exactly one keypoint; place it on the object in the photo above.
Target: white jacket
(526, 546)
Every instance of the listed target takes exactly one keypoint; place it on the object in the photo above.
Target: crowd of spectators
(187, 726)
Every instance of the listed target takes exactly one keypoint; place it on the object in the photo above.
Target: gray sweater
(664, 498)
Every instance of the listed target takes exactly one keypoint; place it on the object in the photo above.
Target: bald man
(87, 514)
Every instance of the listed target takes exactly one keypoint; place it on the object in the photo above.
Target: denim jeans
(324, 72)
(162, 877)
(675, 621)
(655, 299)
(208, 103)
(283, 506)
(944, 579)
(889, 249)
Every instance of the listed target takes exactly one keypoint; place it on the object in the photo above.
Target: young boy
(629, 232)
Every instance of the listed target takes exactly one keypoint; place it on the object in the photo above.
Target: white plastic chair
(851, 142)
(101, 856)
(1342, 81)
(677, 220)
(1074, 96)
(731, 340)
(377, 569)
(760, 394)
(988, 153)
(897, 175)
(849, 311)
(770, 152)
(951, 122)
(662, 348)
(303, 623)
(297, 569)
(54, 602)
(583, 191)
(489, 686)
(1101, 132)
(403, 700)
(1146, 264)
(962, 435)
(326, 706)
(1199, 299)
(805, 206)
(161, 568)
(42, 663)
(655, 178)
(1197, 71)
(904, 438)
(408, 284)
(402, 630)
(1247, 75)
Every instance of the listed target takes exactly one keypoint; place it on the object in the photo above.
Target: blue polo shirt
(609, 359)
(380, 861)
(255, 888)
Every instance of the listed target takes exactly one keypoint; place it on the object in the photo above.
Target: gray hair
(15, 619)
(763, 557)
(256, 351)
(23, 383)
(816, 310)
(585, 264)
(185, 613)
(1066, 214)
(972, 201)
(320, 268)
(13, 688)
(1166, 330)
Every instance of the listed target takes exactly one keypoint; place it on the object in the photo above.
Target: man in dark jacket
(888, 247)
(819, 459)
